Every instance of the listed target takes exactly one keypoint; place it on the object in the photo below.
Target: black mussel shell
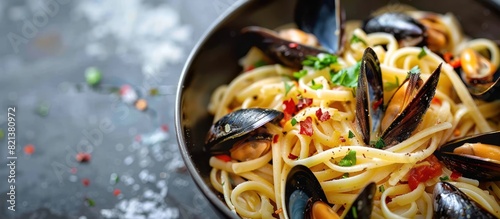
(363, 205)
(301, 187)
(405, 29)
(233, 126)
(450, 202)
(470, 166)
(411, 116)
(369, 96)
(486, 92)
(282, 51)
(322, 18)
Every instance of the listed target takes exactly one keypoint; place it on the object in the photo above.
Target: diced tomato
(223, 157)
(455, 175)
(292, 156)
(303, 103)
(447, 57)
(306, 127)
(455, 63)
(289, 107)
(322, 116)
(423, 173)
(275, 139)
(436, 101)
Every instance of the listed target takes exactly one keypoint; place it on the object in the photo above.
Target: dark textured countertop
(135, 169)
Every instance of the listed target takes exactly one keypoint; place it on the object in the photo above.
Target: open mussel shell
(237, 124)
(450, 202)
(282, 51)
(303, 190)
(324, 19)
(471, 166)
(487, 92)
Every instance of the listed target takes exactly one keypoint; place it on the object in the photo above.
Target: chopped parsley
(347, 77)
(320, 61)
(444, 178)
(259, 63)
(356, 39)
(349, 159)
(351, 135)
(293, 121)
(422, 53)
(288, 87)
(354, 212)
(300, 74)
(379, 143)
(389, 86)
(315, 86)
(90, 202)
(381, 188)
(346, 175)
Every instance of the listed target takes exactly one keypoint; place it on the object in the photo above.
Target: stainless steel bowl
(214, 61)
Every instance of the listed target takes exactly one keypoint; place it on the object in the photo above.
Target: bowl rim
(208, 192)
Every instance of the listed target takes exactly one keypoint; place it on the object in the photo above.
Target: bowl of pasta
(351, 109)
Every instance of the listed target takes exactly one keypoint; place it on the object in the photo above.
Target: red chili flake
(138, 138)
(303, 103)
(29, 149)
(223, 157)
(322, 116)
(388, 199)
(455, 175)
(289, 107)
(83, 157)
(251, 67)
(74, 170)
(377, 104)
(86, 182)
(455, 63)
(436, 101)
(275, 139)
(164, 127)
(117, 192)
(293, 45)
(292, 156)
(306, 127)
(342, 139)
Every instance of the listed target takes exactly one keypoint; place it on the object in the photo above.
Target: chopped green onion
(354, 212)
(320, 61)
(379, 143)
(300, 74)
(316, 86)
(294, 121)
(347, 77)
(288, 87)
(381, 188)
(349, 159)
(351, 135)
(422, 53)
(259, 63)
(93, 76)
(356, 39)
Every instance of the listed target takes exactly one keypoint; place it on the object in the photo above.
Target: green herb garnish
(294, 121)
(414, 70)
(347, 77)
(379, 143)
(349, 159)
(315, 86)
(351, 135)
(422, 53)
(320, 61)
(381, 188)
(259, 63)
(90, 202)
(356, 39)
(300, 74)
(389, 86)
(346, 175)
(444, 178)
(354, 212)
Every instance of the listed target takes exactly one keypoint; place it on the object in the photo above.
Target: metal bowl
(214, 61)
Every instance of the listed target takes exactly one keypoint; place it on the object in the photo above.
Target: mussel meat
(450, 202)
(480, 76)
(394, 123)
(406, 30)
(282, 51)
(324, 19)
(304, 197)
(473, 156)
(242, 133)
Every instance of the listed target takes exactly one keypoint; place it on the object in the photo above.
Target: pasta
(254, 188)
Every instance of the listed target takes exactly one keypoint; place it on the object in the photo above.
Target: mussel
(480, 159)
(304, 197)
(404, 110)
(450, 202)
(282, 51)
(324, 19)
(241, 133)
(480, 76)
(406, 30)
